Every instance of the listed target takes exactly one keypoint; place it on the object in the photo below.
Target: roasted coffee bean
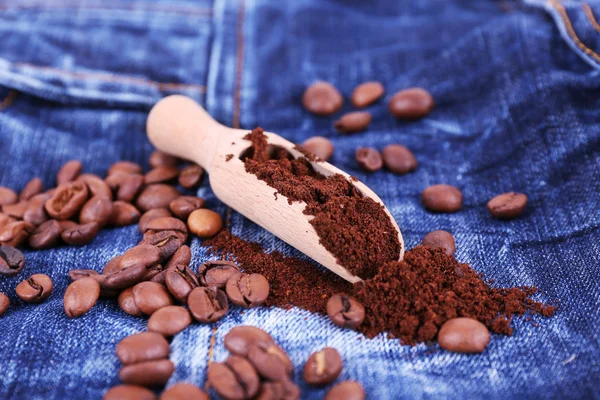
(15, 233)
(80, 296)
(440, 239)
(152, 214)
(96, 185)
(398, 159)
(180, 281)
(97, 209)
(507, 205)
(235, 379)
(5, 219)
(142, 254)
(68, 172)
(46, 235)
(345, 311)
(278, 390)
(127, 167)
(81, 234)
(148, 373)
(322, 98)
(161, 175)
(156, 196)
(182, 256)
(123, 214)
(67, 200)
(77, 274)
(355, 121)
(35, 289)
(113, 265)
(183, 206)
(7, 196)
(153, 271)
(129, 392)
(12, 261)
(166, 241)
(160, 277)
(207, 304)
(183, 391)
(127, 303)
(367, 93)
(204, 223)
(36, 209)
(247, 290)
(144, 346)
(323, 367)
(369, 159)
(270, 361)
(217, 273)
(319, 146)
(4, 303)
(151, 296)
(165, 224)
(125, 277)
(463, 335)
(170, 320)
(191, 176)
(160, 159)
(16, 210)
(240, 338)
(33, 187)
(442, 198)
(125, 185)
(411, 103)
(66, 224)
(347, 390)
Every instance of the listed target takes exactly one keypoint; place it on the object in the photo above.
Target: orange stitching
(120, 7)
(590, 16)
(213, 339)
(239, 65)
(8, 100)
(116, 78)
(563, 13)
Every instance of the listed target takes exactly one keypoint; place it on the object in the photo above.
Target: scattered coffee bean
(367, 93)
(7, 196)
(125, 277)
(183, 391)
(15, 233)
(81, 296)
(160, 159)
(323, 367)
(180, 281)
(319, 146)
(161, 175)
(442, 198)
(183, 206)
(152, 214)
(463, 335)
(345, 311)
(270, 361)
(411, 103)
(144, 346)
(127, 167)
(96, 185)
(80, 234)
(67, 224)
(217, 273)
(148, 373)
(35, 289)
(123, 214)
(12, 261)
(127, 303)
(347, 390)
(355, 121)
(369, 159)
(204, 223)
(507, 205)
(113, 265)
(77, 274)
(165, 224)
(322, 98)
(125, 185)
(151, 296)
(240, 338)
(169, 320)
(283, 389)
(166, 241)
(182, 256)
(398, 159)
(207, 304)
(235, 379)
(16, 210)
(144, 254)
(33, 187)
(191, 176)
(98, 209)
(247, 290)
(67, 200)
(68, 172)
(36, 209)
(156, 196)
(4, 303)
(129, 392)
(440, 238)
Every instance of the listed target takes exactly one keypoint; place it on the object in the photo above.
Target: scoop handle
(179, 126)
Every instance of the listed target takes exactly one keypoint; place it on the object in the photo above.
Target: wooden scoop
(179, 126)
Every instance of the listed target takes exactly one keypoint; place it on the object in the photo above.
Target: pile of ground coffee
(355, 229)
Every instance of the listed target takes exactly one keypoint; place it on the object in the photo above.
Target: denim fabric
(516, 85)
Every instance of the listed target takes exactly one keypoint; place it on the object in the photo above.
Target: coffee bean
(369, 159)
(442, 198)
(15, 233)
(77, 274)
(7, 196)
(270, 361)
(96, 185)
(247, 290)
(12, 261)
(80, 234)
(4, 220)
(67, 200)
(240, 338)
(125, 277)
(323, 367)
(66, 224)
(151, 296)
(204, 223)
(161, 175)
(322, 98)
(36, 209)
(113, 265)
(97, 209)
(183, 206)
(156, 196)
(129, 392)
(81, 296)
(367, 93)
(170, 320)
(123, 214)
(191, 176)
(152, 214)
(182, 256)
(144, 346)
(35, 289)
(463, 335)
(345, 311)
(146, 255)
(236, 378)
(411, 103)
(277, 390)
(207, 304)
(125, 185)
(319, 146)
(165, 224)
(16, 210)
(4, 303)
(46, 235)
(68, 172)
(440, 239)
(217, 273)
(398, 159)
(355, 121)
(33, 187)
(127, 167)
(183, 391)
(507, 205)
(180, 281)
(160, 159)
(166, 241)
(347, 390)
(148, 373)
(127, 303)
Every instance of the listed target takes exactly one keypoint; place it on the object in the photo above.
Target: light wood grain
(178, 125)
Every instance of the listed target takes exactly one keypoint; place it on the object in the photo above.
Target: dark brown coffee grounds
(354, 228)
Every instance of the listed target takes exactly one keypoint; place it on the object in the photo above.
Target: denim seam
(589, 13)
(8, 100)
(195, 11)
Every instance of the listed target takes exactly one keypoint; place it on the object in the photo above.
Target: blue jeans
(517, 87)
